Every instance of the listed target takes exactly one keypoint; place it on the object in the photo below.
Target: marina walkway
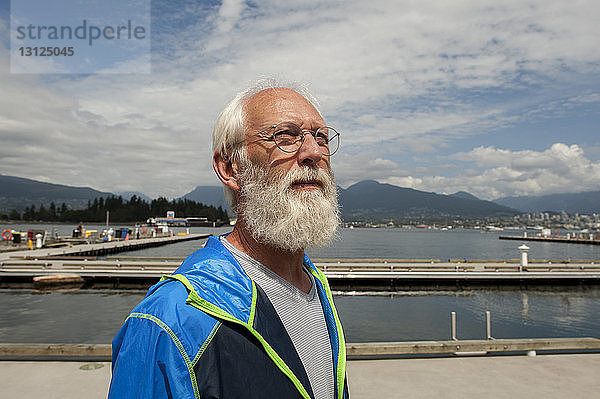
(102, 248)
(510, 377)
(502, 377)
(91, 266)
(19, 270)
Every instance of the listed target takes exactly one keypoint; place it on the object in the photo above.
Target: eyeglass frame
(303, 136)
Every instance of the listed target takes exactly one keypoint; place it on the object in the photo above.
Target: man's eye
(286, 133)
(285, 137)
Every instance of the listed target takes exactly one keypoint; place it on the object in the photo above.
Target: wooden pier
(93, 266)
(394, 276)
(99, 249)
(563, 239)
(353, 275)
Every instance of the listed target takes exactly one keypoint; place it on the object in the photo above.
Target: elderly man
(249, 315)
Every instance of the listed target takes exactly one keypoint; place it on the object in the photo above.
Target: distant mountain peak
(583, 202)
(464, 195)
(365, 183)
(369, 198)
(374, 184)
(209, 195)
(19, 193)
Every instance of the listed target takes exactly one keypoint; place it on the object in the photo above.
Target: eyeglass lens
(289, 138)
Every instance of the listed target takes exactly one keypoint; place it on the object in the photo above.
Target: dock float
(568, 240)
(126, 272)
(100, 249)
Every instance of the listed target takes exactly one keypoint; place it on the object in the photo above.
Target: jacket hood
(218, 278)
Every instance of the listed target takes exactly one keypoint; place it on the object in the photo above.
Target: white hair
(230, 125)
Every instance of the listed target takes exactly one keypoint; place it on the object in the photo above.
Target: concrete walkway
(53, 380)
(511, 377)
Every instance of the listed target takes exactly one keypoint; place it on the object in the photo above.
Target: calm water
(95, 316)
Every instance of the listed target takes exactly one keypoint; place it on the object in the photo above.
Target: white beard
(283, 217)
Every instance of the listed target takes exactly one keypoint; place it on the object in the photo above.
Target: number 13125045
(46, 51)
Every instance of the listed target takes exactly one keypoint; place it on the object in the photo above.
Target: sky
(496, 98)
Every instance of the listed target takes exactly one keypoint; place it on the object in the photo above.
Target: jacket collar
(218, 278)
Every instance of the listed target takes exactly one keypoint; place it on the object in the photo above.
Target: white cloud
(229, 13)
(350, 169)
(382, 163)
(561, 168)
(405, 181)
(398, 78)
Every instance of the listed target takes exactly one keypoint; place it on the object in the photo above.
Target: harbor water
(94, 316)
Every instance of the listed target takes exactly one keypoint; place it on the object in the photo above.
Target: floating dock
(99, 249)
(563, 239)
(353, 275)
(80, 266)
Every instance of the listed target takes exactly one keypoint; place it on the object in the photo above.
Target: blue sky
(493, 98)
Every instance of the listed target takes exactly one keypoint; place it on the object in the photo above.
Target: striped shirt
(301, 315)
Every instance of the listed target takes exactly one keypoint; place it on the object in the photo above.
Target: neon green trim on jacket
(341, 366)
(206, 342)
(195, 300)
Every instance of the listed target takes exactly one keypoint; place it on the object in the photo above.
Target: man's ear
(226, 170)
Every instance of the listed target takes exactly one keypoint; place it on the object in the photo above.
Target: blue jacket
(209, 331)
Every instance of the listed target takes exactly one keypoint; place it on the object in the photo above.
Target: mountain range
(365, 199)
(211, 195)
(586, 203)
(370, 199)
(19, 193)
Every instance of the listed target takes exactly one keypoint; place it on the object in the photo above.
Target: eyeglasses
(288, 137)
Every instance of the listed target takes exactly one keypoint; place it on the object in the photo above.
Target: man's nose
(310, 151)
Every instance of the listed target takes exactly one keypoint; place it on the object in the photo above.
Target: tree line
(134, 210)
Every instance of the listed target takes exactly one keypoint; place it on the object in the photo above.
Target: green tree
(52, 212)
(14, 215)
(42, 214)
(63, 209)
(121, 211)
(29, 213)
